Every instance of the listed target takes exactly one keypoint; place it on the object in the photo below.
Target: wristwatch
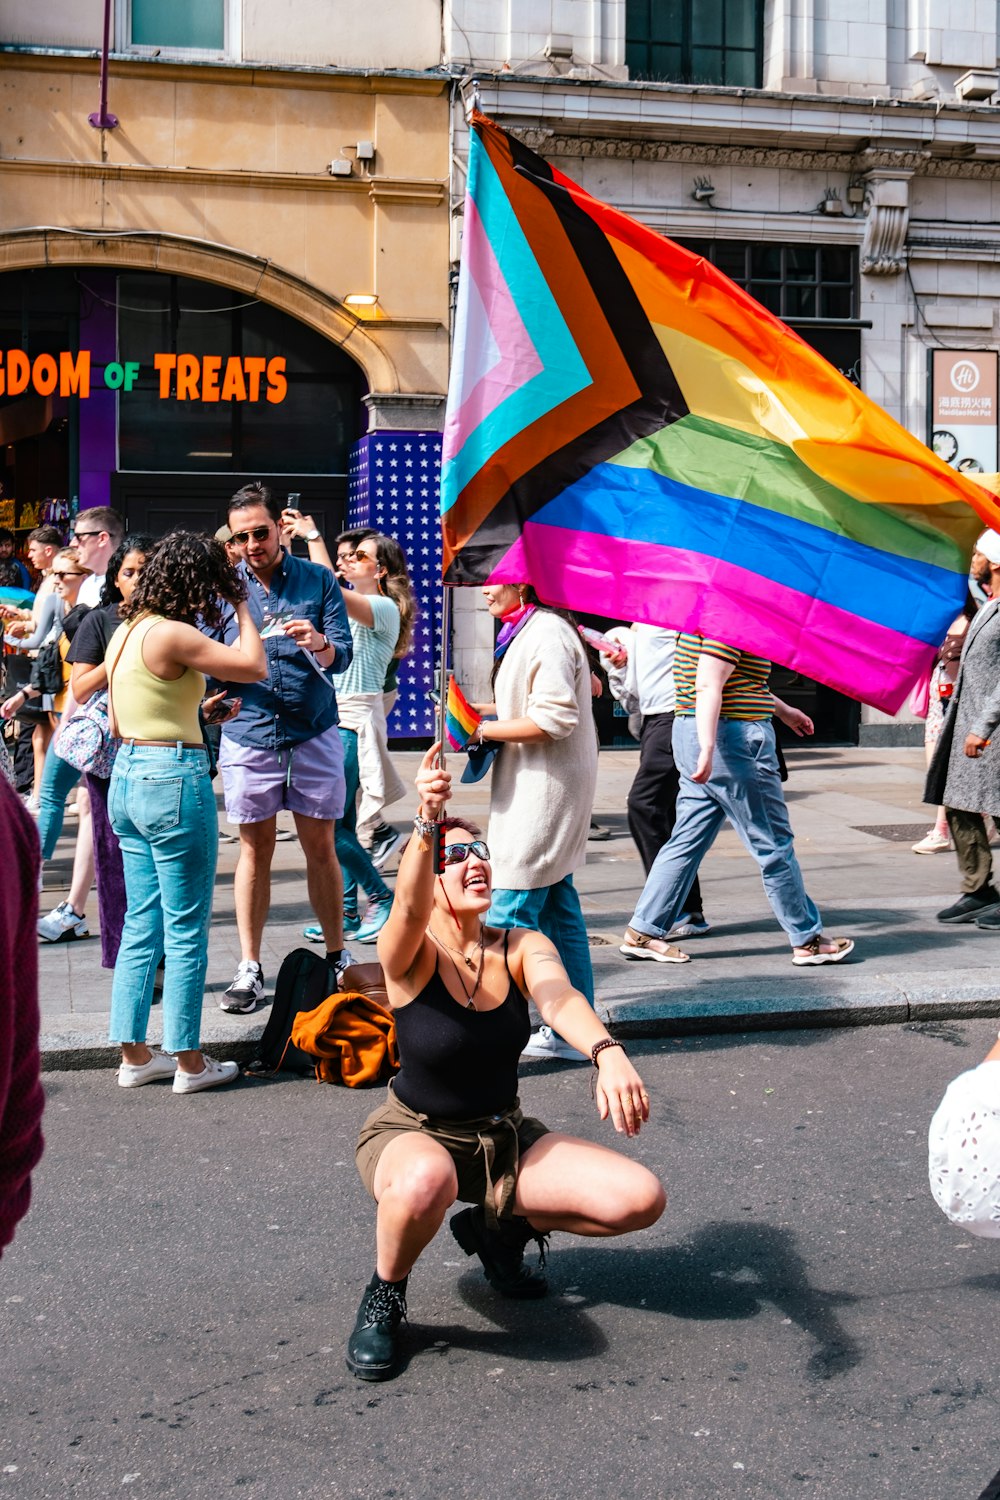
(312, 536)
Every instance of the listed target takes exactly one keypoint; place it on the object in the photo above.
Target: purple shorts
(308, 779)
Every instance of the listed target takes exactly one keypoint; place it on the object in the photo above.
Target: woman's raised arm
(403, 936)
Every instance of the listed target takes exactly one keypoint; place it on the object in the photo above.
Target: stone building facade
(840, 158)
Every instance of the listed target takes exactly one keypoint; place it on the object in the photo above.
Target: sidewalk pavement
(855, 813)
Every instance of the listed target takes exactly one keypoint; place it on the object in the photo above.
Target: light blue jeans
(58, 780)
(745, 787)
(162, 808)
(355, 862)
(554, 910)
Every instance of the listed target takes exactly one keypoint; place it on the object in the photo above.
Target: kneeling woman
(452, 1127)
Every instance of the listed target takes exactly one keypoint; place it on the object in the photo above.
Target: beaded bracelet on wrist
(600, 1046)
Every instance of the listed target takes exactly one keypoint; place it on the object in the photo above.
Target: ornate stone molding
(887, 200)
(549, 143)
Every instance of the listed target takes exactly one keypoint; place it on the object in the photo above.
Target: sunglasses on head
(456, 854)
(259, 534)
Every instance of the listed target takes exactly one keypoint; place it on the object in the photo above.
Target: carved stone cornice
(551, 143)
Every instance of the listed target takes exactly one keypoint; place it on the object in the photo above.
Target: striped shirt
(744, 696)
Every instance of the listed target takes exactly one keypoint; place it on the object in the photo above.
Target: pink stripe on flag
(658, 585)
(493, 331)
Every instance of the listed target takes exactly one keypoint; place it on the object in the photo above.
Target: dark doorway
(197, 502)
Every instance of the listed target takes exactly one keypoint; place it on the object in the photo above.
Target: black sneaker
(501, 1251)
(385, 841)
(246, 989)
(967, 908)
(372, 1349)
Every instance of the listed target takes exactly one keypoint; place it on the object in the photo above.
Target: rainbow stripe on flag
(637, 437)
(460, 720)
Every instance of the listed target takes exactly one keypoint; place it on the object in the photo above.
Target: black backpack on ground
(304, 980)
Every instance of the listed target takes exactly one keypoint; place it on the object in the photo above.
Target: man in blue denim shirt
(283, 749)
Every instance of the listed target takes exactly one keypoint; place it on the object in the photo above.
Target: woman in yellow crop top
(160, 801)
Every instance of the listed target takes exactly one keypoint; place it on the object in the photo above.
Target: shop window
(696, 41)
(198, 27)
(309, 432)
(796, 282)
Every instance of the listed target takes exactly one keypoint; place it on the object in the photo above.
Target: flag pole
(443, 675)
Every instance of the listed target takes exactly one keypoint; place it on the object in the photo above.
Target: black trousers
(652, 800)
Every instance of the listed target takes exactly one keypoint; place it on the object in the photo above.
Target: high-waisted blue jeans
(745, 787)
(554, 910)
(162, 808)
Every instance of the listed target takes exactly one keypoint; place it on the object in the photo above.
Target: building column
(394, 485)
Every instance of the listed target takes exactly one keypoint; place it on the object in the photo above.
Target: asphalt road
(802, 1322)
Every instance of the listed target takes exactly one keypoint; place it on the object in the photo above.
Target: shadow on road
(728, 1272)
(554, 1330)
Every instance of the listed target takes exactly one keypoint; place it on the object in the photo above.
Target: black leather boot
(501, 1251)
(372, 1347)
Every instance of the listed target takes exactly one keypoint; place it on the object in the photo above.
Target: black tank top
(457, 1063)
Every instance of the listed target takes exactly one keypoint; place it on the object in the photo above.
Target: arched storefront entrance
(194, 387)
(208, 368)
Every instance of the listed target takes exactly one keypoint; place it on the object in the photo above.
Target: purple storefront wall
(98, 434)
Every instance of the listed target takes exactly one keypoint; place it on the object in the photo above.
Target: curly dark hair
(188, 578)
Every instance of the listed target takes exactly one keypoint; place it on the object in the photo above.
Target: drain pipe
(103, 120)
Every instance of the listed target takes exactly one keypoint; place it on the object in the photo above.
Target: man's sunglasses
(259, 534)
(81, 536)
(456, 854)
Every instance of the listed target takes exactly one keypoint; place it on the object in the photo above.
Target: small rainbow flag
(637, 437)
(461, 720)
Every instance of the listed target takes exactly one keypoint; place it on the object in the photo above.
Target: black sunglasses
(456, 854)
(81, 536)
(259, 534)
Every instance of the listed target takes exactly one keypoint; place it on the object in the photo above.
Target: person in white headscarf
(965, 772)
(964, 1149)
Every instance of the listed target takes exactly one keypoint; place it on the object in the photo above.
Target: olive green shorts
(484, 1151)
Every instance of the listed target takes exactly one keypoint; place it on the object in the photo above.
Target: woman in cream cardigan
(543, 782)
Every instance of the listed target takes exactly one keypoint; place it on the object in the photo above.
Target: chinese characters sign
(964, 408)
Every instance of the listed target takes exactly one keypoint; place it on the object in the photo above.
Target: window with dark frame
(792, 281)
(696, 41)
(310, 432)
(178, 25)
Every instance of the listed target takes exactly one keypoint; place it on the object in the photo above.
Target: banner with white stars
(393, 484)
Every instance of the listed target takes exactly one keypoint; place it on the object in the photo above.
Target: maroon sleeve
(21, 1097)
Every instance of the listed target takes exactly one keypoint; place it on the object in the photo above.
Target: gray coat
(974, 785)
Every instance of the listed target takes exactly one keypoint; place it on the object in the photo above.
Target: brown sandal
(814, 954)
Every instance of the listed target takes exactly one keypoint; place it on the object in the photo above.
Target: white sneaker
(63, 925)
(689, 924)
(386, 841)
(134, 1075)
(246, 989)
(932, 843)
(211, 1076)
(545, 1043)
